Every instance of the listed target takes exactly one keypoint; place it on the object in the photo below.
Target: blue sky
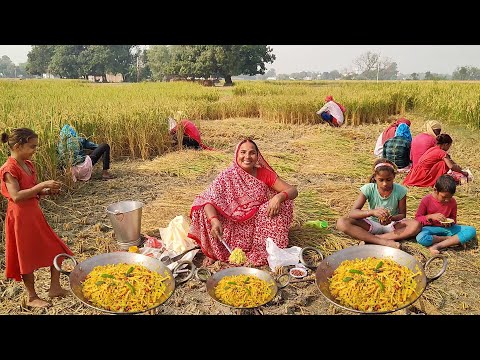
(443, 59)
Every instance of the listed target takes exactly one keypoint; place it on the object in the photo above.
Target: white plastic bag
(175, 235)
(282, 257)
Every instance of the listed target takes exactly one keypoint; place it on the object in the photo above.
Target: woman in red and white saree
(247, 203)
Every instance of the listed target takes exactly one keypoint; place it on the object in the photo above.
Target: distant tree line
(370, 66)
(9, 70)
(158, 62)
(170, 62)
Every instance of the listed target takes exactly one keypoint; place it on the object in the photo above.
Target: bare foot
(393, 244)
(434, 250)
(38, 303)
(58, 293)
(361, 243)
(207, 261)
(108, 176)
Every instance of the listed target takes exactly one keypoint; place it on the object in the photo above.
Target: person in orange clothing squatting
(30, 241)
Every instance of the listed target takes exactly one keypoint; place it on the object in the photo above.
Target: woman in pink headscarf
(388, 134)
(332, 112)
(425, 140)
(247, 203)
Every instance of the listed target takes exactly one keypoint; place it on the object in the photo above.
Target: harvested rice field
(328, 165)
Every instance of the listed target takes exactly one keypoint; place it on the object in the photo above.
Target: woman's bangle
(286, 195)
(209, 220)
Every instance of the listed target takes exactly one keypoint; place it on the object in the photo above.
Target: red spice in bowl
(298, 272)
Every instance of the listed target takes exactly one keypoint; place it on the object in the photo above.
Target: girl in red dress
(30, 242)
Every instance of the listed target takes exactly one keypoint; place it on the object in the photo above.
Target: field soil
(327, 165)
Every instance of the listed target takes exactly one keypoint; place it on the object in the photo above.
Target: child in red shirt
(434, 212)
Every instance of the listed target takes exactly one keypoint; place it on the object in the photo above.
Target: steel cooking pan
(326, 268)
(81, 270)
(212, 282)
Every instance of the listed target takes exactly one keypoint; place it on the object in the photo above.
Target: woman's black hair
(446, 183)
(376, 170)
(444, 139)
(251, 141)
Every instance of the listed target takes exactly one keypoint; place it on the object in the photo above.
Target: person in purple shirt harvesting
(438, 214)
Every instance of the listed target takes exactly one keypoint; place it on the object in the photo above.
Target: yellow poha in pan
(244, 291)
(125, 287)
(373, 284)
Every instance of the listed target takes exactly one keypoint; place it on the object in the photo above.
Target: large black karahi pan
(325, 270)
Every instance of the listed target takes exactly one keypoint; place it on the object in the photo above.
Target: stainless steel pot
(81, 270)
(212, 282)
(326, 268)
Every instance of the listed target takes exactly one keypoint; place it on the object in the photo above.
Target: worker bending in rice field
(72, 150)
(333, 113)
(191, 134)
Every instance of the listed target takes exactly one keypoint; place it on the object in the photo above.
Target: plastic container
(319, 224)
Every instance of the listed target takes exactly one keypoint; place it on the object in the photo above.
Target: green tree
(65, 61)
(74, 61)
(432, 76)
(332, 75)
(466, 73)
(39, 58)
(192, 61)
(195, 61)
(158, 60)
(7, 67)
(460, 73)
(388, 70)
(100, 60)
(139, 69)
(232, 60)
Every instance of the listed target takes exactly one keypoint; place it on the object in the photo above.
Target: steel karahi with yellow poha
(372, 284)
(125, 287)
(243, 291)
